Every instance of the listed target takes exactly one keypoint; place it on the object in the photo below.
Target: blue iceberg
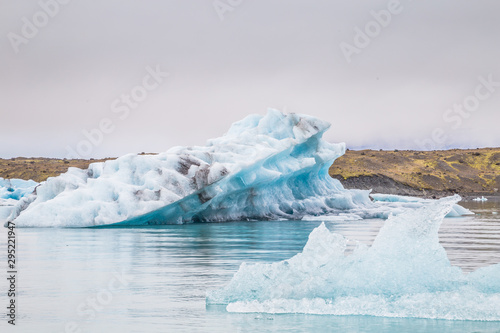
(11, 191)
(405, 273)
(264, 168)
(15, 189)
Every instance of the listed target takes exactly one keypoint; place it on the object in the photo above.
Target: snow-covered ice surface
(264, 168)
(405, 273)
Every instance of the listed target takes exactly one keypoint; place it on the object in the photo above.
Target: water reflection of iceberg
(405, 273)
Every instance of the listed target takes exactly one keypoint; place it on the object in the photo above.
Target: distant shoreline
(469, 172)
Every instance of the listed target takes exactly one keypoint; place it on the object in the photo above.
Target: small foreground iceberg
(405, 273)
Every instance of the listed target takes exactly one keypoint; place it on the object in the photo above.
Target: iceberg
(11, 191)
(15, 189)
(480, 199)
(265, 167)
(404, 273)
(396, 202)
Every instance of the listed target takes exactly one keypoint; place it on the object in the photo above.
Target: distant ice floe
(11, 191)
(264, 168)
(405, 273)
(398, 202)
(15, 189)
(480, 199)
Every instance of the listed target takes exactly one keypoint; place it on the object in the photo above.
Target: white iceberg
(396, 202)
(264, 168)
(405, 273)
(480, 199)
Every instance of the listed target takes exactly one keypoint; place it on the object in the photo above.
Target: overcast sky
(426, 77)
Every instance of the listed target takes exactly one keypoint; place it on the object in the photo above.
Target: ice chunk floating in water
(405, 273)
(11, 191)
(397, 202)
(265, 167)
(15, 189)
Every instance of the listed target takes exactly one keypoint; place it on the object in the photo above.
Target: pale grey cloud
(280, 54)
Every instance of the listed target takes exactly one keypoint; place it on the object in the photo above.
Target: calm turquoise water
(155, 279)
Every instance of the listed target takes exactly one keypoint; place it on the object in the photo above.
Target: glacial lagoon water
(155, 279)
